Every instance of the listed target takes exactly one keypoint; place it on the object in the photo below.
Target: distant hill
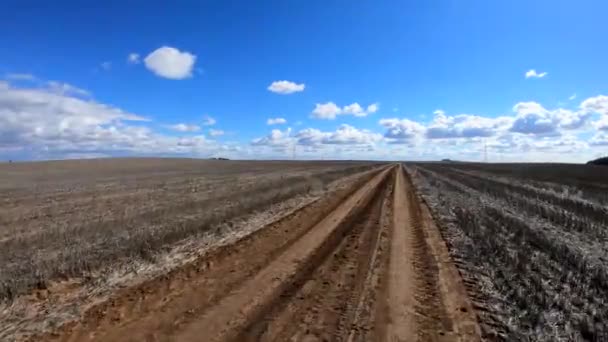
(599, 161)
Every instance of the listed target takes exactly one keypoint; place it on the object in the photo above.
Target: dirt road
(365, 265)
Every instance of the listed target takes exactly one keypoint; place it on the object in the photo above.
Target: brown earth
(370, 266)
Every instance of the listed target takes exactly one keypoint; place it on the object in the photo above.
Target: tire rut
(163, 306)
(431, 317)
(330, 302)
(370, 265)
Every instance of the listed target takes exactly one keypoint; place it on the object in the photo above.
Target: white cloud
(354, 109)
(372, 108)
(310, 136)
(216, 132)
(209, 121)
(572, 97)
(20, 77)
(330, 110)
(182, 127)
(276, 121)
(401, 130)
(327, 110)
(276, 138)
(44, 118)
(59, 120)
(66, 89)
(54, 123)
(349, 135)
(602, 123)
(286, 87)
(106, 65)
(171, 63)
(600, 139)
(133, 58)
(343, 135)
(465, 126)
(533, 118)
(597, 104)
(533, 74)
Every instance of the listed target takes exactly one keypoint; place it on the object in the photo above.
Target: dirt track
(365, 265)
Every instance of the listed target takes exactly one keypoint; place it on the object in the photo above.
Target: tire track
(370, 267)
(427, 300)
(158, 308)
(330, 303)
(256, 296)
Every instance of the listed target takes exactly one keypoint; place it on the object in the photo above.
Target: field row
(362, 263)
(534, 259)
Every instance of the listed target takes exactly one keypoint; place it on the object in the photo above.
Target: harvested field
(531, 243)
(362, 260)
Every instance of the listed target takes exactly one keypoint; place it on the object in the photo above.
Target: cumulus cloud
(597, 104)
(209, 121)
(43, 118)
(599, 139)
(572, 97)
(276, 121)
(401, 130)
(133, 58)
(54, 122)
(171, 63)
(327, 110)
(330, 110)
(602, 123)
(310, 136)
(349, 135)
(182, 127)
(533, 74)
(275, 138)
(354, 109)
(533, 118)
(286, 87)
(464, 126)
(343, 135)
(216, 132)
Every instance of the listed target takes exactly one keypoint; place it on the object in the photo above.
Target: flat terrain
(531, 242)
(187, 250)
(361, 260)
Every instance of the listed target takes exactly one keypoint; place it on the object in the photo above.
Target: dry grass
(534, 257)
(68, 219)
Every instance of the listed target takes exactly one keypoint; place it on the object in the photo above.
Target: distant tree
(599, 161)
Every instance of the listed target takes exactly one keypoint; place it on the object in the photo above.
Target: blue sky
(364, 79)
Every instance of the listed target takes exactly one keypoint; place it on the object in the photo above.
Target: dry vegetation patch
(61, 220)
(532, 250)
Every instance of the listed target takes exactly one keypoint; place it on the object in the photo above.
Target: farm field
(531, 243)
(356, 257)
(184, 250)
